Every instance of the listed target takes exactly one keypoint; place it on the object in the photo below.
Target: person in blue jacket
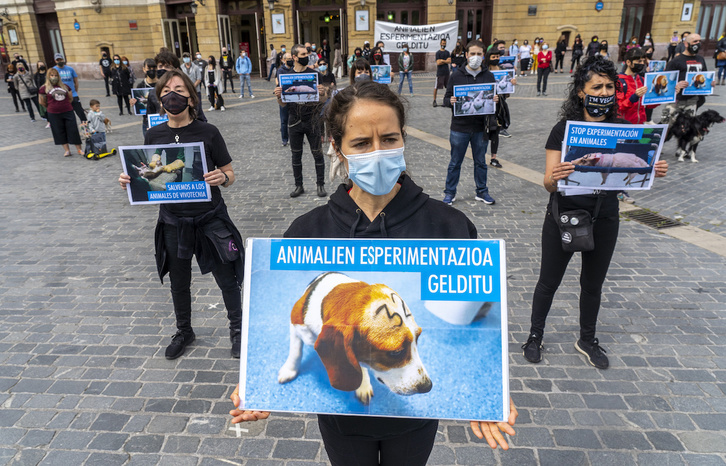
(244, 68)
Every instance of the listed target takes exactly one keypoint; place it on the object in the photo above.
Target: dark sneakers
(179, 342)
(236, 344)
(532, 350)
(594, 352)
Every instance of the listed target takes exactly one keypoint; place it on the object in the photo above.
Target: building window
(13, 36)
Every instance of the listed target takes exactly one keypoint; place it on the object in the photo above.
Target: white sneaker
(48, 125)
(251, 96)
(222, 108)
(211, 109)
(241, 97)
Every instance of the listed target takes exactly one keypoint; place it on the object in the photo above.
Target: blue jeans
(269, 75)
(721, 74)
(284, 113)
(406, 74)
(244, 78)
(459, 143)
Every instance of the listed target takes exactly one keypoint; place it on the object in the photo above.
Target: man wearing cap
(69, 77)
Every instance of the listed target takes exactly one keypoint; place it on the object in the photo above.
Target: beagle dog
(356, 327)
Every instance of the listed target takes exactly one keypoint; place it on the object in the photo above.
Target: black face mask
(303, 61)
(290, 63)
(694, 48)
(174, 103)
(160, 73)
(310, 49)
(151, 74)
(597, 106)
(637, 68)
(41, 68)
(494, 62)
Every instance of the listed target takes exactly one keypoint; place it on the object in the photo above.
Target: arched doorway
(243, 23)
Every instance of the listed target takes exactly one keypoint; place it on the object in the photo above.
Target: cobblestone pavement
(84, 319)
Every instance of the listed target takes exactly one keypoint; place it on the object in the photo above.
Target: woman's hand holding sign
(239, 415)
(492, 431)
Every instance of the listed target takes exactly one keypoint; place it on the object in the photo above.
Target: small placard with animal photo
(166, 174)
(381, 74)
(611, 157)
(299, 87)
(376, 327)
(142, 98)
(656, 66)
(661, 87)
(504, 81)
(699, 83)
(507, 62)
(474, 100)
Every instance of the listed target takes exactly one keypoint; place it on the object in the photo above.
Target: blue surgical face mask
(376, 172)
(323, 67)
(118, 62)
(187, 59)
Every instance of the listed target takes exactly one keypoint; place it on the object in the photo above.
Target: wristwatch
(226, 179)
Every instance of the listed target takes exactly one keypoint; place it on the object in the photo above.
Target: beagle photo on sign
(357, 329)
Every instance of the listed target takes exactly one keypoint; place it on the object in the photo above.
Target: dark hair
(475, 43)
(93, 102)
(149, 63)
(374, 52)
(340, 105)
(593, 38)
(336, 46)
(193, 97)
(496, 44)
(186, 55)
(492, 51)
(167, 58)
(212, 61)
(572, 107)
(685, 33)
(124, 59)
(358, 49)
(296, 48)
(635, 53)
(360, 64)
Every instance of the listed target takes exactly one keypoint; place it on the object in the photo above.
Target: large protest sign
(611, 156)
(422, 326)
(424, 38)
(299, 87)
(166, 174)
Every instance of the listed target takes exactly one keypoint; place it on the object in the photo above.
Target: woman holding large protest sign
(591, 98)
(203, 229)
(366, 124)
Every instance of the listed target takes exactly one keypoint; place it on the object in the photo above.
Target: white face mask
(545, 47)
(475, 62)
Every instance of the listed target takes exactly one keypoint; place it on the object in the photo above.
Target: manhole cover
(651, 219)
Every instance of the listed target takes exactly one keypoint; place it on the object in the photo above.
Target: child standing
(96, 140)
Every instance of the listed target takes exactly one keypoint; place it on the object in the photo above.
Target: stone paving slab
(83, 318)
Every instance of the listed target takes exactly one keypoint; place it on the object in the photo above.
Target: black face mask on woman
(597, 106)
(637, 68)
(174, 103)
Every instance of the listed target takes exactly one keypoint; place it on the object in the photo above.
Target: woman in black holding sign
(203, 229)
(591, 98)
(366, 121)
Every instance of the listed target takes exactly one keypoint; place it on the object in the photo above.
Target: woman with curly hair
(591, 98)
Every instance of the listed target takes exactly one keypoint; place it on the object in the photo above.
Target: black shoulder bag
(576, 226)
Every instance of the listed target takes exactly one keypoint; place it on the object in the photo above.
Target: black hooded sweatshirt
(411, 214)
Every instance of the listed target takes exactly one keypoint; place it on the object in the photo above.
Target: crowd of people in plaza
(360, 125)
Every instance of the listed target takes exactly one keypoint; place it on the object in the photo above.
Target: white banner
(425, 38)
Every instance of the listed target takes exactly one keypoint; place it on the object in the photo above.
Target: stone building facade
(137, 29)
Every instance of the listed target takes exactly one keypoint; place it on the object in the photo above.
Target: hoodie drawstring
(383, 225)
(355, 224)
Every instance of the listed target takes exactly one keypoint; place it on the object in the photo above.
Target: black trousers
(16, 99)
(227, 75)
(28, 105)
(542, 75)
(410, 449)
(214, 97)
(559, 60)
(180, 276)
(123, 99)
(493, 136)
(575, 59)
(106, 77)
(595, 265)
(314, 132)
(78, 108)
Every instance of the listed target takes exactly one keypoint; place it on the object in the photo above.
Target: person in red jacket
(632, 87)
(544, 60)
(630, 94)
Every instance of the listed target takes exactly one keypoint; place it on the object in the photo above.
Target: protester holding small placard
(366, 123)
(198, 229)
(592, 98)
